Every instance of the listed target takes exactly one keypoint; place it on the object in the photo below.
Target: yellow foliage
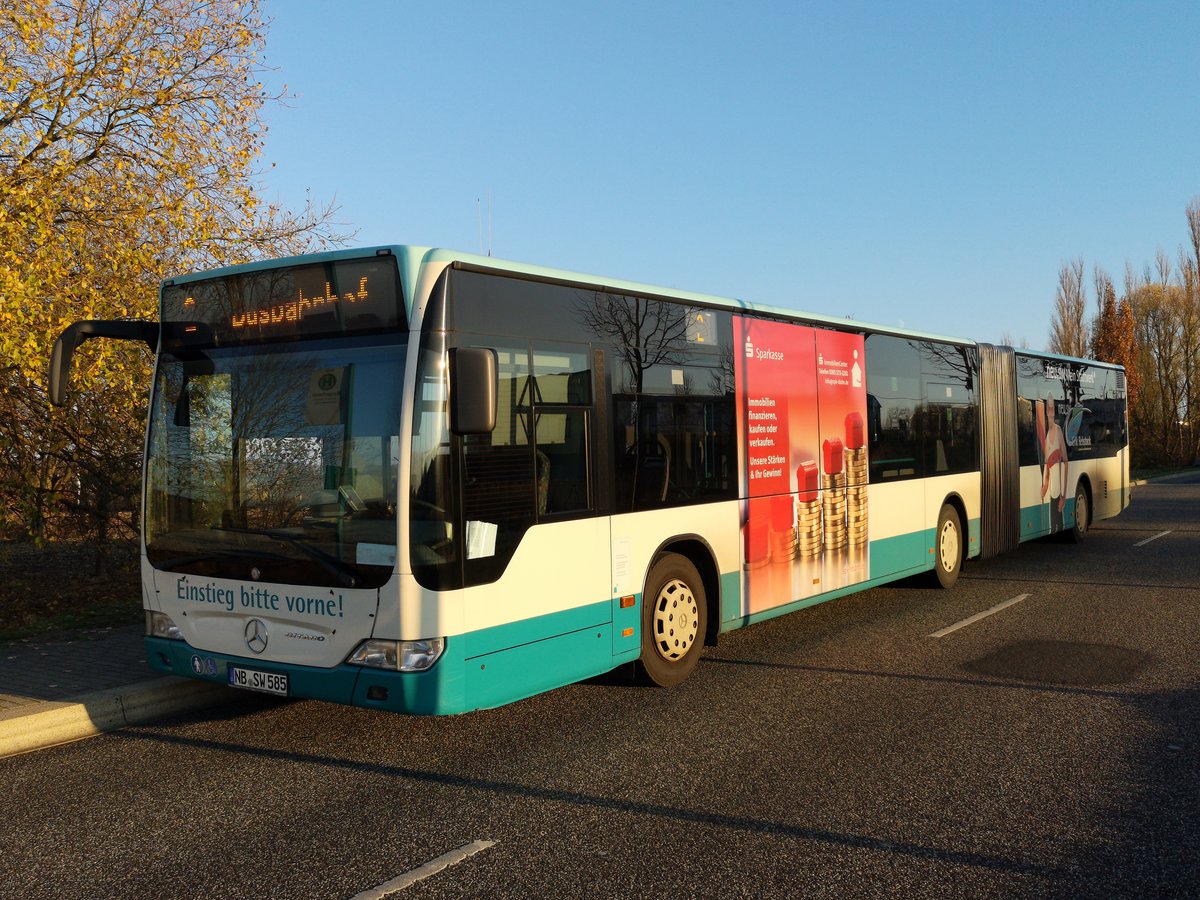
(129, 136)
(129, 132)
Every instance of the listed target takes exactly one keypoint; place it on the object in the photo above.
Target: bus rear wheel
(948, 547)
(674, 620)
(1083, 515)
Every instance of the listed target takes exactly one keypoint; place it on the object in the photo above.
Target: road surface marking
(975, 618)
(1149, 539)
(400, 882)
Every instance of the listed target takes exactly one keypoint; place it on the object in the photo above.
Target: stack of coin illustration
(833, 494)
(809, 534)
(756, 535)
(783, 528)
(856, 478)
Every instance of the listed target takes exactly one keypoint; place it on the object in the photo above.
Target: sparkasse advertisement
(801, 395)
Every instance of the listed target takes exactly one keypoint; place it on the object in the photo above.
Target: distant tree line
(1153, 329)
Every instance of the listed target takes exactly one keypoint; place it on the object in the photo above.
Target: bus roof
(412, 258)
(1059, 357)
(731, 303)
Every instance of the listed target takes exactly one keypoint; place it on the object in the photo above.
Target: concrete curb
(1161, 479)
(48, 724)
(1168, 478)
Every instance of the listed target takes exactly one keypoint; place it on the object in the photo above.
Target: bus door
(529, 497)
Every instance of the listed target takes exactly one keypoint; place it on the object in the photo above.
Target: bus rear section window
(1103, 413)
(1084, 403)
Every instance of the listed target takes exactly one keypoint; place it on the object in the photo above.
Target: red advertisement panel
(801, 398)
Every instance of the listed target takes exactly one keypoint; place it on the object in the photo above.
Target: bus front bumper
(436, 691)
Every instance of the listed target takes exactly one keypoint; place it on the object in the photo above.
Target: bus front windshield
(277, 462)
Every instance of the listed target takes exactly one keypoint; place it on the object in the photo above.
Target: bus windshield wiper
(222, 553)
(345, 573)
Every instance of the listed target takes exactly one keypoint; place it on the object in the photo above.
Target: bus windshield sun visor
(74, 335)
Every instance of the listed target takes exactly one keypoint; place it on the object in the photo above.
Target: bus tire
(1083, 515)
(674, 621)
(947, 548)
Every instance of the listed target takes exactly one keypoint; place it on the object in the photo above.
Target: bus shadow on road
(540, 794)
(929, 679)
(1149, 829)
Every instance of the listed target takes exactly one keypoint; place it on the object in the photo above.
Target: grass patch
(49, 590)
(71, 623)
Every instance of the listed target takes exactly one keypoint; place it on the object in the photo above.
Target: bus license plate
(250, 680)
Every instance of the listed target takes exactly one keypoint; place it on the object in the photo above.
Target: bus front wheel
(674, 620)
(948, 547)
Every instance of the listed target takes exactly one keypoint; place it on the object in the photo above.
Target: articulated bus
(416, 480)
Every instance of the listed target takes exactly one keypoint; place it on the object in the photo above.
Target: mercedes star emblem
(256, 635)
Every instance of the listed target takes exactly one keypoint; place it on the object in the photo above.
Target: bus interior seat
(655, 476)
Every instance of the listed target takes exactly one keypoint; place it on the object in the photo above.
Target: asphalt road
(1050, 749)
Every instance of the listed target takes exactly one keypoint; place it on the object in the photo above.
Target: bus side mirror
(60, 364)
(473, 390)
(78, 332)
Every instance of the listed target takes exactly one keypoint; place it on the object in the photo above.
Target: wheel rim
(948, 547)
(1081, 512)
(676, 620)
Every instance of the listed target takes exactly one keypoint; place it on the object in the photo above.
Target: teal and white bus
(417, 480)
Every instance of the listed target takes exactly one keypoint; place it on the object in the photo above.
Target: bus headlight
(160, 625)
(402, 656)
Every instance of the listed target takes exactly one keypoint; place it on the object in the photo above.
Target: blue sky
(924, 164)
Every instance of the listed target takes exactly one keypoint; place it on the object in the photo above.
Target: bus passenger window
(561, 399)
(893, 407)
(433, 542)
(562, 458)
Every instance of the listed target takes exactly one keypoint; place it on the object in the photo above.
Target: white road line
(975, 618)
(1149, 539)
(400, 882)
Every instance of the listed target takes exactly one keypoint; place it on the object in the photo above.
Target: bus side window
(435, 546)
(1031, 386)
(949, 421)
(673, 450)
(893, 408)
(562, 410)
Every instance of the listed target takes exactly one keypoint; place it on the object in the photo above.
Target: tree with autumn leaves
(1112, 334)
(130, 135)
(1153, 330)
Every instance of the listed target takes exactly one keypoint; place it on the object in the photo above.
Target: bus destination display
(288, 303)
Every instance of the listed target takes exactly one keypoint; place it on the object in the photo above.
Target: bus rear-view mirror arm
(75, 334)
(474, 388)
